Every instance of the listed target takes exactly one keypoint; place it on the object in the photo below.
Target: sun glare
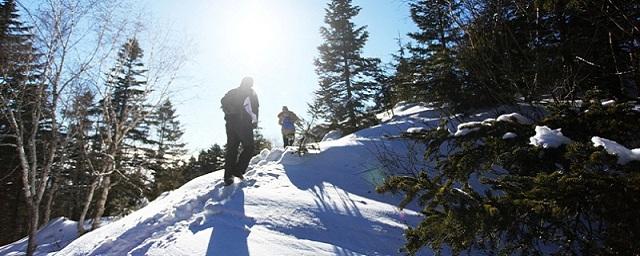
(255, 34)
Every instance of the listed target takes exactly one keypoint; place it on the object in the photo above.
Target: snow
(321, 203)
(624, 154)
(404, 109)
(54, 236)
(472, 126)
(417, 129)
(608, 102)
(509, 135)
(332, 135)
(467, 127)
(514, 117)
(548, 138)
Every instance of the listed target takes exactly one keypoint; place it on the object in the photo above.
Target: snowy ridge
(321, 203)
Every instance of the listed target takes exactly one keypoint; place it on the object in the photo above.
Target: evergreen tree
(434, 55)
(77, 176)
(506, 196)
(347, 79)
(128, 81)
(123, 133)
(260, 142)
(401, 85)
(167, 133)
(209, 160)
(165, 159)
(22, 97)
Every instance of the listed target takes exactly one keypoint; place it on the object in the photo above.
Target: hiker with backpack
(240, 106)
(287, 120)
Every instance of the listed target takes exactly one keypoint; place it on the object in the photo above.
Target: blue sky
(273, 41)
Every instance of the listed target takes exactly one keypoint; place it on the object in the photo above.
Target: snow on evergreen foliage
(548, 138)
(624, 154)
(514, 117)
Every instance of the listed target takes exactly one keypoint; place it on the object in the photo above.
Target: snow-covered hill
(321, 203)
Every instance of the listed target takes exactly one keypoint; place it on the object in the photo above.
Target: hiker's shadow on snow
(230, 226)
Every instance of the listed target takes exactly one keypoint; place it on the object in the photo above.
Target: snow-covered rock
(548, 138)
(624, 154)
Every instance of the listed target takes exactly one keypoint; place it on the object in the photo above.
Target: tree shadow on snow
(334, 186)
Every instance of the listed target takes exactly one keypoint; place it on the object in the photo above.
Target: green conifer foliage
(22, 97)
(434, 68)
(504, 196)
(347, 79)
(165, 160)
(126, 83)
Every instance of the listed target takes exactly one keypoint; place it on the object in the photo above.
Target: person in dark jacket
(240, 106)
(287, 120)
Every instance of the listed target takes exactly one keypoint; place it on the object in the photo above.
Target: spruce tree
(165, 159)
(167, 133)
(507, 197)
(434, 53)
(209, 160)
(22, 97)
(77, 175)
(123, 133)
(128, 80)
(347, 79)
(401, 84)
(260, 142)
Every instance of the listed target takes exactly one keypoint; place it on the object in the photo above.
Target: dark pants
(288, 139)
(238, 133)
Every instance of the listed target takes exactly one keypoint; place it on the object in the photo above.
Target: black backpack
(232, 102)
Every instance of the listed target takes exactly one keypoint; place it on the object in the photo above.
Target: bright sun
(255, 33)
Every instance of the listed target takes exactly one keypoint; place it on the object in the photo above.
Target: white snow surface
(320, 203)
(332, 135)
(624, 154)
(548, 138)
(54, 236)
(403, 109)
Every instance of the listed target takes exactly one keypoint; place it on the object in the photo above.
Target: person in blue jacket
(288, 120)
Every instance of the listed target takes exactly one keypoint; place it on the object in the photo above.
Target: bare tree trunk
(102, 201)
(86, 204)
(50, 195)
(33, 227)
